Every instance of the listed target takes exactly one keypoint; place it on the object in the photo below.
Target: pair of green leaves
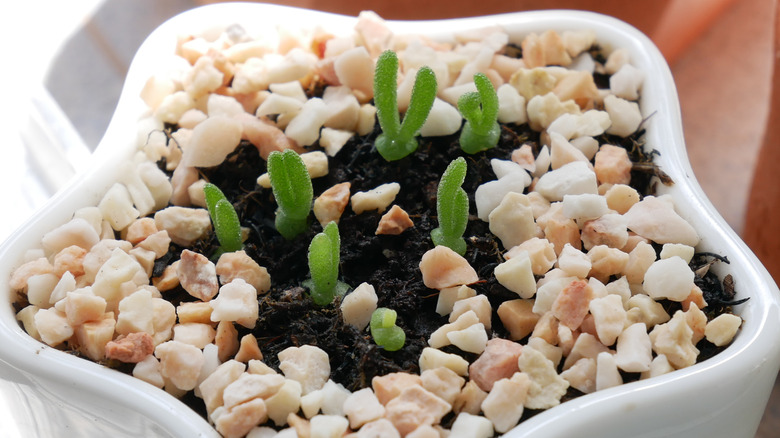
(384, 331)
(291, 184)
(480, 109)
(324, 266)
(452, 208)
(397, 139)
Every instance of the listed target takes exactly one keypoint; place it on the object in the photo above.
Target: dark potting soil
(288, 317)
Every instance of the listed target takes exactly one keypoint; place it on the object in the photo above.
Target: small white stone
(574, 262)
(180, 363)
(512, 221)
(517, 275)
(333, 397)
(358, 306)
(634, 350)
(490, 194)
(471, 426)
(511, 105)
(432, 358)
(589, 146)
(304, 129)
(721, 330)
(332, 140)
(448, 297)
(328, 426)
(626, 82)
(212, 140)
(571, 179)
(624, 114)
(279, 104)
(562, 152)
(546, 386)
(439, 336)
(236, 301)
(585, 206)
(543, 110)
(378, 198)
(355, 69)
(669, 278)
(307, 364)
(362, 407)
(444, 119)
(503, 168)
(472, 339)
(609, 317)
(591, 123)
(655, 219)
(607, 374)
(343, 107)
(685, 252)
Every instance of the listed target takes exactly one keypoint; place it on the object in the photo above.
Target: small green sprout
(224, 217)
(452, 207)
(292, 189)
(480, 109)
(397, 140)
(324, 266)
(384, 331)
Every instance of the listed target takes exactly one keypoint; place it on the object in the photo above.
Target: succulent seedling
(324, 266)
(224, 217)
(480, 109)
(293, 191)
(384, 331)
(452, 207)
(397, 139)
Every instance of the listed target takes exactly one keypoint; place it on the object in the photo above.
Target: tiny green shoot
(452, 207)
(293, 191)
(384, 331)
(224, 217)
(324, 266)
(397, 140)
(480, 109)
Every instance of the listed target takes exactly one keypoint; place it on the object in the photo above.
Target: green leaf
(227, 226)
(423, 95)
(293, 191)
(386, 93)
(321, 266)
(224, 217)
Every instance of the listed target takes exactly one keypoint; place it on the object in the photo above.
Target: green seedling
(480, 109)
(224, 217)
(292, 189)
(397, 139)
(452, 207)
(384, 331)
(324, 266)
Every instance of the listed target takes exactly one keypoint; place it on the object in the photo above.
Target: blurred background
(64, 64)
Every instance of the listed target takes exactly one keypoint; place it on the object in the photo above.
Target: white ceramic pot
(721, 397)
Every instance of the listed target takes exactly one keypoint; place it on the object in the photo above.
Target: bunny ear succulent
(293, 191)
(452, 207)
(481, 130)
(224, 217)
(397, 139)
(324, 266)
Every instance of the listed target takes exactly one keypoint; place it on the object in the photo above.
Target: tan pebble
(389, 386)
(158, 243)
(571, 305)
(621, 197)
(612, 165)
(238, 264)
(579, 87)
(518, 317)
(442, 267)
(414, 407)
(226, 340)
(674, 339)
(721, 330)
(524, 157)
(394, 222)
(239, 420)
(606, 261)
(330, 205)
(696, 297)
(131, 348)
(20, 275)
(140, 229)
(265, 136)
(469, 399)
(697, 321)
(547, 328)
(498, 361)
(70, 259)
(248, 349)
(169, 278)
(302, 427)
(197, 275)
